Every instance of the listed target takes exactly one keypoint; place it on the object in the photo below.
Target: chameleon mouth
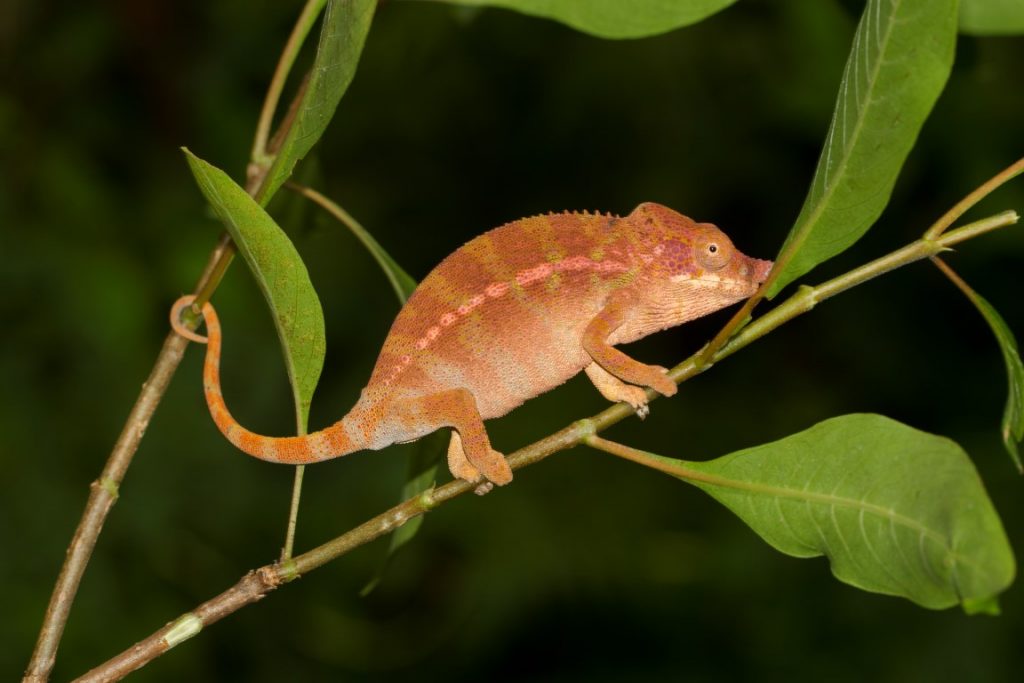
(762, 268)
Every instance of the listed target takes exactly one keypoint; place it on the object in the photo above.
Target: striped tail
(325, 444)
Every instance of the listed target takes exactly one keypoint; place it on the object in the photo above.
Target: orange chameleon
(510, 315)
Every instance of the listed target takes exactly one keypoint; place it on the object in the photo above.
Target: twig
(984, 190)
(260, 154)
(269, 577)
(104, 493)
(743, 314)
(104, 490)
(293, 513)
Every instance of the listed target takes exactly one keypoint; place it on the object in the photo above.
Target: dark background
(586, 568)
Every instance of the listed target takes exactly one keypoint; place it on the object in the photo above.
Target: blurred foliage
(587, 567)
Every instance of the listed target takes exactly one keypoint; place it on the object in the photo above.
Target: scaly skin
(511, 315)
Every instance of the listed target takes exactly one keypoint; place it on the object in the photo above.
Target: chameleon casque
(510, 315)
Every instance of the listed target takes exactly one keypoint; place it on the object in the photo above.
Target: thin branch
(104, 490)
(293, 514)
(743, 314)
(807, 297)
(259, 156)
(251, 588)
(670, 466)
(269, 577)
(984, 190)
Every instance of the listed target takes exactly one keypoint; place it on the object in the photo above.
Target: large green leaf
(281, 276)
(992, 17)
(346, 23)
(896, 510)
(612, 18)
(901, 56)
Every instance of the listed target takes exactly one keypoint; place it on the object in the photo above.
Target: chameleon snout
(761, 269)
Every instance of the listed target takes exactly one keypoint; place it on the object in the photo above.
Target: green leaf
(901, 57)
(346, 23)
(612, 18)
(896, 510)
(281, 275)
(1013, 413)
(991, 17)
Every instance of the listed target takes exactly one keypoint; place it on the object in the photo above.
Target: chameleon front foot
(617, 391)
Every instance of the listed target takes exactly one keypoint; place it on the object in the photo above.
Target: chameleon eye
(714, 254)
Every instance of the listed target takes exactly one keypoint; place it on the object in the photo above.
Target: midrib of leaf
(829, 499)
(832, 501)
(829, 189)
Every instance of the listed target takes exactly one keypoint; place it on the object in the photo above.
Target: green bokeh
(586, 568)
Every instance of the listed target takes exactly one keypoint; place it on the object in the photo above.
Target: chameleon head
(691, 268)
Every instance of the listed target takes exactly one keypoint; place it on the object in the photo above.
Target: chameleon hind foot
(496, 470)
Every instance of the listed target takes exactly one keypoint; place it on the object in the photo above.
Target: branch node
(702, 360)
(287, 572)
(184, 628)
(109, 485)
(934, 247)
(584, 428)
(810, 294)
(426, 500)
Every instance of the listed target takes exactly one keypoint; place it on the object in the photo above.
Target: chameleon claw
(176, 310)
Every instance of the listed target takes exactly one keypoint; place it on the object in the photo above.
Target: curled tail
(295, 450)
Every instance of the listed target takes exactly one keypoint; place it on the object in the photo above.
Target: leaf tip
(986, 606)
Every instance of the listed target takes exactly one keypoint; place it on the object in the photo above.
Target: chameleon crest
(510, 315)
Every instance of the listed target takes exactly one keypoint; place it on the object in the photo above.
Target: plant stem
(670, 466)
(104, 491)
(973, 198)
(743, 314)
(254, 585)
(303, 25)
(807, 297)
(293, 514)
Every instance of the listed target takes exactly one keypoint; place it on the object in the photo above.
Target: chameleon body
(510, 315)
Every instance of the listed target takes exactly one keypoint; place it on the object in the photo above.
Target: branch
(260, 155)
(743, 314)
(254, 585)
(104, 491)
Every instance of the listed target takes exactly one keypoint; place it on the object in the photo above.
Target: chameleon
(508, 316)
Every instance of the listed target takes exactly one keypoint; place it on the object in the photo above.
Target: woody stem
(104, 491)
